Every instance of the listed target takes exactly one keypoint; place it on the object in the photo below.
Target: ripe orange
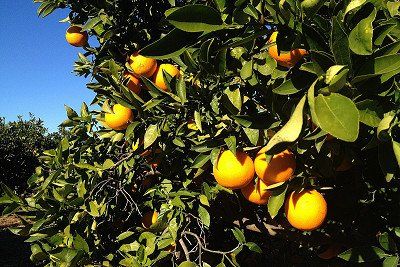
(256, 193)
(279, 169)
(133, 83)
(142, 66)
(306, 210)
(76, 37)
(285, 59)
(159, 76)
(234, 171)
(149, 218)
(120, 119)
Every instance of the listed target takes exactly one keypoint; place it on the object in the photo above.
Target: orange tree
(211, 115)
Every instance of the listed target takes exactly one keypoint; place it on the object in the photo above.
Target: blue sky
(36, 65)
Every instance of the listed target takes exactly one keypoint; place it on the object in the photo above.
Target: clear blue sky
(36, 65)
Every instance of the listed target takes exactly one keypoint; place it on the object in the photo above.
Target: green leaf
(80, 243)
(234, 99)
(181, 89)
(391, 261)
(253, 135)
(197, 120)
(204, 216)
(353, 5)
(204, 200)
(360, 38)
(187, 264)
(396, 150)
(239, 235)
(124, 235)
(231, 143)
(340, 44)
(387, 243)
(286, 88)
(370, 112)
(362, 254)
(66, 255)
(195, 18)
(377, 66)
(337, 115)
(291, 130)
(393, 8)
(247, 70)
(171, 45)
(276, 200)
(200, 160)
(253, 247)
(151, 135)
(387, 160)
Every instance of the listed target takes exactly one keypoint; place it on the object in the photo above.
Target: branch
(209, 250)
(185, 250)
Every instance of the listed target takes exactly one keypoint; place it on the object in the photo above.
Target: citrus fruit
(149, 218)
(159, 75)
(142, 66)
(306, 210)
(285, 59)
(234, 171)
(256, 193)
(133, 83)
(120, 119)
(279, 169)
(76, 37)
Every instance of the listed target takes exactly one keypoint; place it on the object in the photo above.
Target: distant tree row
(21, 142)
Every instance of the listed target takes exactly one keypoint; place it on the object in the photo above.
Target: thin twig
(185, 250)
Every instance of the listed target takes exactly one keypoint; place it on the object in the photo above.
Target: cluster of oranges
(305, 210)
(140, 66)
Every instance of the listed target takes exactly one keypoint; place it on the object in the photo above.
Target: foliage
(21, 143)
(90, 193)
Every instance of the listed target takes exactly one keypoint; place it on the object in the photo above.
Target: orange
(149, 219)
(133, 83)
(142, 66)
(76, 37)
(279, 169)
(234, 171)
(285, 59)
(306, 210)
(256, 193)
(120, 119)
(159, 76)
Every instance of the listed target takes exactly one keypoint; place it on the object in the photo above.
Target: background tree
(308, 87)
(21, 143)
